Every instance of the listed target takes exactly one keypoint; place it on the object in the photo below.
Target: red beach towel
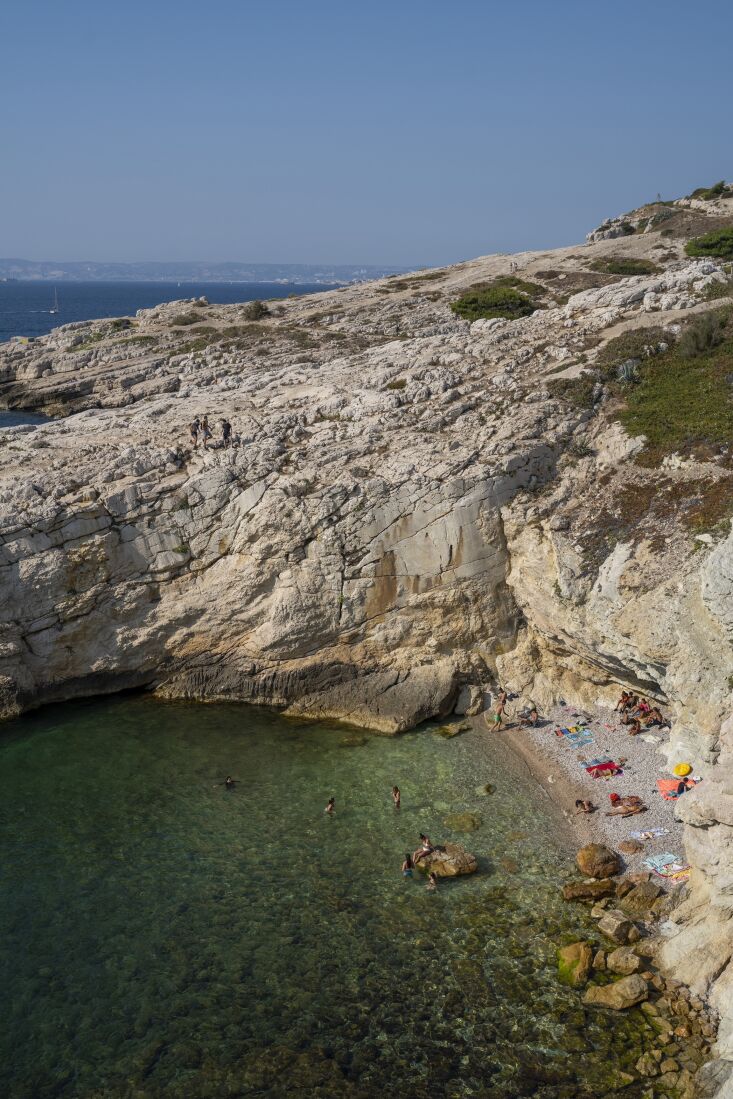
(599, 768)
(668, 787)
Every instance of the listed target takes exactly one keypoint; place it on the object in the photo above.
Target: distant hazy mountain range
(53, 271)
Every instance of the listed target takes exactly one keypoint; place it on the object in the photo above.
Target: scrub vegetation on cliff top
(682, 402)
(717, 244)
(624, 266)
(507, 297)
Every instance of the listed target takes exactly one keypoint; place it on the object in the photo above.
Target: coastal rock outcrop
(619, 994)
(449, 860)
(414, 504)
(595, 860)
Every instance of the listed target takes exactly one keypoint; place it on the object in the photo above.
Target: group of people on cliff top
(201, 429)
(637, 714)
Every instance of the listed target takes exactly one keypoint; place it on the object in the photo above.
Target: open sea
(25, 307)
(162, 937)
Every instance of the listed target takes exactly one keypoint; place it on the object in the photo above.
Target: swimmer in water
(432, 882)
(229, 782)
(407, 865)
(396, 796)
(331, 807)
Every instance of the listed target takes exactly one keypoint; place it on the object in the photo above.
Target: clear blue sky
(407, 131)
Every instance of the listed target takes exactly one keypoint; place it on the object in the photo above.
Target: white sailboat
(55, 307)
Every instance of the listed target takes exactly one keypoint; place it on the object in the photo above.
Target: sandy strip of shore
(559, 770)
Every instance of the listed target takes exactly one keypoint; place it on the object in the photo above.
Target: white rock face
(410, 514)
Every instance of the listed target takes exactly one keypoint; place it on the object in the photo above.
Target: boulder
(640, 900)
(623, 960)
(599, 960)
(574, 963)
(448, 861)
(463, 822)
(646, 1065)
(588, 890)
(630, 847)
(617, 926)
(595, 860)
(619, 995)
(470, 701)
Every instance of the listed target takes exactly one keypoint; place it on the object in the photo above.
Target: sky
(408, 132)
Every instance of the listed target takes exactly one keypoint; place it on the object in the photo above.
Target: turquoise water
(160, 936)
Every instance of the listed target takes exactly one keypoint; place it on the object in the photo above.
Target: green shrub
(718, 243)
(121, 323)
(716, 191)
(398, 383)
(579, 391)
(620, 265)
(254, 310)
(507, 297)
(682, 402)
(182, 319)
(705, 333)
(634, 346)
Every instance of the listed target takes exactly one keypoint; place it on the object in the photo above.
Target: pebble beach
(560, 767)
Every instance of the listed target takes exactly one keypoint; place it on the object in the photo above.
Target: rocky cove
(417, 507)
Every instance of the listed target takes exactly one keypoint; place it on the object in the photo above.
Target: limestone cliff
(414, 502)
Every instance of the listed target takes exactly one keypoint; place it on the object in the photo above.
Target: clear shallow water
(25, 306)
(163, 937)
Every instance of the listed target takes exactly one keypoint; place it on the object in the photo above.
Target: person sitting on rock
(643, 708)
(425, 848)
(432, 882)
(584, 806)
(634, 727)
(655, 717)
(622, 702)
(530, 720)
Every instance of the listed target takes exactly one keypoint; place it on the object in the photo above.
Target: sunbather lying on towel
(626, 806)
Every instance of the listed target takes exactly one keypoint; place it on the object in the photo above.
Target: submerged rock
(574, 963)
(463, 822)
(619, 995)
(595, 860)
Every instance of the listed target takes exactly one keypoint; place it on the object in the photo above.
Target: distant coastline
(198, 271)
